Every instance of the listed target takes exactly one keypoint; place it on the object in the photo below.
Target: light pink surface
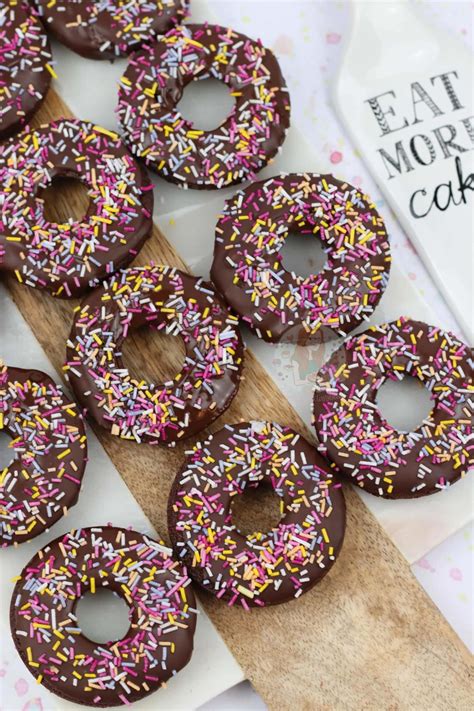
(307, 37)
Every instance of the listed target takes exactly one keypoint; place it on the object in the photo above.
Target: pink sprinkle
(335, 157)
(21, 687)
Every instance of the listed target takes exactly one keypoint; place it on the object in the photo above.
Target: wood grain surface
(367, 637)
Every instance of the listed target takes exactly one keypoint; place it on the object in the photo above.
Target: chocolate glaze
(24, 76)
(49, 454)
(265, 568)
(178, 151)
(279, 305)
(69, 259)
(366, 448)
(138, 569)
(163, 298)
(111, 29)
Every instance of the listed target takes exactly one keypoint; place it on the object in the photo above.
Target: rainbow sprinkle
(367, 449)
(169, 144)
(265, 567)
(169, 300)
(248, 268)
(49, 451)
(162, 616)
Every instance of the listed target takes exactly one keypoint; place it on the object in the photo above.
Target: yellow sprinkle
(106, 132)
(51, 71)
(64, 454)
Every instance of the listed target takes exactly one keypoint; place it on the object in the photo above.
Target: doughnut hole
(303, 255)
(206, 103)
(152, 355)
(103, 616)
(7, 454)
(405, 403)
(256, 509)
(66, 199)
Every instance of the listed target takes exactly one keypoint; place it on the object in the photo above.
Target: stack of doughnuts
(92, 257)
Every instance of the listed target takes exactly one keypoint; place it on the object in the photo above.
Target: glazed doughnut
(169, 300)
(278, 305)
(162, 616)
(366, 448)
(105, 29)
(25, 65)
(265, 568)
(68, 259)
(178, 151)
(49, 453)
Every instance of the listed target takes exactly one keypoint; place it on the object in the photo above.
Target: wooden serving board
(367, 637)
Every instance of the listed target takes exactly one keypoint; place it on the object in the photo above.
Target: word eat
(422, 148)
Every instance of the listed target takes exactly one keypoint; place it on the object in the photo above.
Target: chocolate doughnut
(106, 29)
(49, 453)
(278, 305)
(366, 448)
(45, 628)
(178, 151)
(70, 258)
(169, 300)
(265, 568)
(25, 65)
